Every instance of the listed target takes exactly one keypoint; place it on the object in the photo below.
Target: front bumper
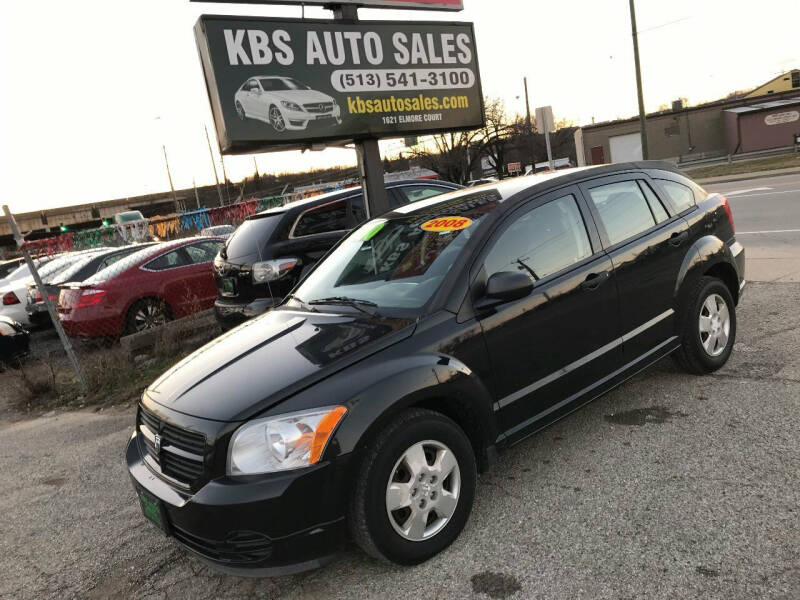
(260, 526)
(230, 314)
(300, 120)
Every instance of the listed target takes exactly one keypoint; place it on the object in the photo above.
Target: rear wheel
(414, 488)
(147, 313)
(709, 328)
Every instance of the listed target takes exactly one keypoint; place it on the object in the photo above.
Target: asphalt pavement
(767, 216)
(671, 486)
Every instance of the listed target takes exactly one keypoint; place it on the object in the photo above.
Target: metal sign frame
(448, 5)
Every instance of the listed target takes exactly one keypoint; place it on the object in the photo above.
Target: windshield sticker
(446, 224)
(374, 231)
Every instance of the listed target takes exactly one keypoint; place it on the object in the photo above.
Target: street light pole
(169, 176)
(642, 121)
(214, 165)
(529, 125)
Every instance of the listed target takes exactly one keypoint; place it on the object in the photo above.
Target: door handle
(594, 280)
(676, 239)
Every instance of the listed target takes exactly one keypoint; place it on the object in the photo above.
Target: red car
(143, 290)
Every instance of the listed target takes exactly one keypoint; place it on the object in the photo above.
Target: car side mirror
(504, 287)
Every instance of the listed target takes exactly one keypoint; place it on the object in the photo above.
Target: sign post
(294, 84)
(544, 124)
(20, 240)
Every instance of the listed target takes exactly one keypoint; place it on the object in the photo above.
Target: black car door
(646, 245)
(546, 348)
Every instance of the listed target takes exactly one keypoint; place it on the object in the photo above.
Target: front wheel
(709, 328)
(276, 119)
(414, 489)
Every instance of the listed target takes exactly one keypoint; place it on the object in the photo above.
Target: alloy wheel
(276, 119)
(150, 314)
(240, 111)
(423, 490)
(714, 325)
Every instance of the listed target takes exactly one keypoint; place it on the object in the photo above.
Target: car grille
(239, 547)
(182, 451)
(319, 107)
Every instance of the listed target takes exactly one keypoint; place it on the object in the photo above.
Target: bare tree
(499, 132)
(451, 155)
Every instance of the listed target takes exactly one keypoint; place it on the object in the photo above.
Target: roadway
(767, 216)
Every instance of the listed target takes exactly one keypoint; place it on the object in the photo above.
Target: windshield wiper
(303, 304)
(345, 301)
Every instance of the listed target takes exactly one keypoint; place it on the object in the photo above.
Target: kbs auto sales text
(259, 47)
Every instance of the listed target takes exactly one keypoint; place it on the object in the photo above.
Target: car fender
(706, 252)
(374, 391)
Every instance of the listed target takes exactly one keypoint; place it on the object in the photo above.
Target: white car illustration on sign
(284, 103)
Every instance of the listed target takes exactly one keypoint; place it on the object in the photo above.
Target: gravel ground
(671, 486)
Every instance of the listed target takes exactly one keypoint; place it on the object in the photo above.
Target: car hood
(269, 358)
(301, 96)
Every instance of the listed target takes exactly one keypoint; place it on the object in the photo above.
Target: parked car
(14, 342)
(285, 103)
(269, 253)
(15, 292)
(9, 265)
(142, 290)
(132, 227)
(22, 271)
(426, 341)
(223, 231)
(82, 269)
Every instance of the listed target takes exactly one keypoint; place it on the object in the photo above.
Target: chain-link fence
(131, 298)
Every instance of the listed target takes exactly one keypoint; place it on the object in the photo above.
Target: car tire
(153, 311)
(240, 111)
(276, 119)
(708, 329)
(384, 470)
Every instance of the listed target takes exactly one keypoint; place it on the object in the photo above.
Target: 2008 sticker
(446, 224)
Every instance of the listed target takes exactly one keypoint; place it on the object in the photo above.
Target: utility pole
(214, 165)
(20, 240)
(169, 176)
(370, 167)
(529, 125)
(196, 196)
(225, 178)
(642, 120)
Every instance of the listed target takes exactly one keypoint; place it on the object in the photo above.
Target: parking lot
(671, 486)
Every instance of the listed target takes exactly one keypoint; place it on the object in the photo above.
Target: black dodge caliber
(427, 340)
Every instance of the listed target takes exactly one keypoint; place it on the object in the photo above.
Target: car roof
(510, 189)
(300, 205)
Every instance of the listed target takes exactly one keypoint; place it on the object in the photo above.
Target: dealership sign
(287, 83)
(782, 117)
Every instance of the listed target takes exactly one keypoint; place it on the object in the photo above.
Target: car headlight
(291, 105)
(284, 442)
(270, 270)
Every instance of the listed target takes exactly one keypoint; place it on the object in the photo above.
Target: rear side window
(656, 207)
(322, 219)
(680, 195)
(623, 210)
(124, 264)
(542, 241)
(203, 252)
(170, 260)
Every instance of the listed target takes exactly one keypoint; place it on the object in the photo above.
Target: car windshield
(271, 84)
(398, 263)
(251, 237)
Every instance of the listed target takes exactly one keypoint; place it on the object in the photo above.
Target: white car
(285, 103)
(14, 293)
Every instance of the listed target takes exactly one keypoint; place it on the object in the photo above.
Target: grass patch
(782, 161)
(113, 376)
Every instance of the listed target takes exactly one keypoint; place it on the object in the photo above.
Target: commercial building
(711, 130)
